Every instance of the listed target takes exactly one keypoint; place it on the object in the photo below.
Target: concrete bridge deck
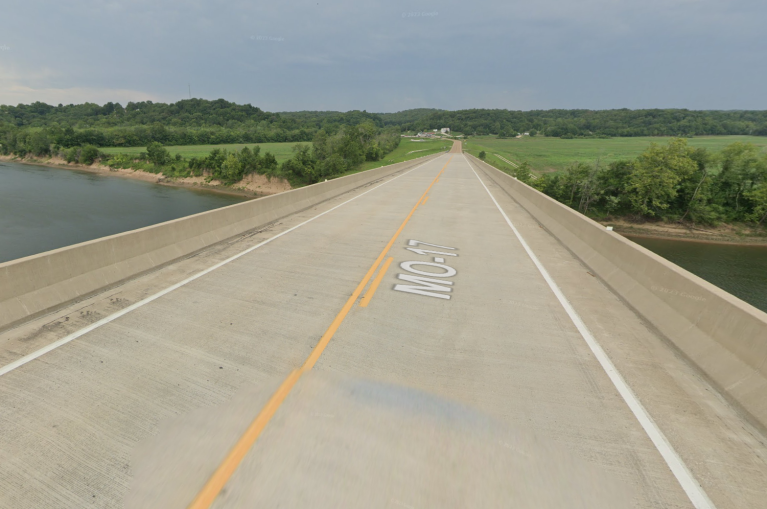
(476, 387)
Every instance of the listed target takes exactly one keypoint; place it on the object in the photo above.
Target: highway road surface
(420, 342)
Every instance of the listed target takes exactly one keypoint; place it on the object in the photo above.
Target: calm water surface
(740, 270)
(47, 208)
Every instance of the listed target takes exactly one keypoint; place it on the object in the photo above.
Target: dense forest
(28, 128)
(37, 127)
(574, 123)
(672, 181)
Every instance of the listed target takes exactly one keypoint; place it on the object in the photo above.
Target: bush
(157, 154)
(120, 161)
(482, 155)
(231, 169)
(88, 154)
(72, 155)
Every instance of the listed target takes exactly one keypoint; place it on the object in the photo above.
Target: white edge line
(63, 341)
(692, 487)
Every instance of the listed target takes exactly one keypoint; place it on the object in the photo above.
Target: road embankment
(41, 283)
(723, 336)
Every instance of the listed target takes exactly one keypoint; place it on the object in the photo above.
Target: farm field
(407, 150)
(281, 151)
(554, 154)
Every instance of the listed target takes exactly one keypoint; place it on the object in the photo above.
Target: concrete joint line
(71, 337)
(689, 484)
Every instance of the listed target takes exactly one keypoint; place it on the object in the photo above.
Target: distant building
(445, 130)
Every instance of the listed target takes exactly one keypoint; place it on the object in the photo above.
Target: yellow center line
(221, 476)
(425, 200)
(377, 281)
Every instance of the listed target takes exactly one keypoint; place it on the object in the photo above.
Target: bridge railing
(41, 283)
(723, 336)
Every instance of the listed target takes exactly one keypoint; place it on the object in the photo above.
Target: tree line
(36, 128)
(673, 182)
(329, 155)
(599, 123)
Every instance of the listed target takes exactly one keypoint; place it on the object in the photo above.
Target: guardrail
(39, 284)
(723, 336)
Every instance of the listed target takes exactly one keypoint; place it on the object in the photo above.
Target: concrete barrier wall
(40, 283)
(724, 336)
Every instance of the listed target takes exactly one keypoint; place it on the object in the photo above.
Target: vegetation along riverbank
(243, 169)
(673, 189)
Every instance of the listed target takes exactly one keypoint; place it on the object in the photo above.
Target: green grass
(284, 151)
(408, 150)
(554, 154)
(281, 151)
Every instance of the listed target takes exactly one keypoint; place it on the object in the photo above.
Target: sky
(388, 56)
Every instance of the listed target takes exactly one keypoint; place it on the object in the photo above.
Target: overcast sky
(389, 56)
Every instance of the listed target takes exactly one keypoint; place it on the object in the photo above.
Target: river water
(739, 270)
(46, 208)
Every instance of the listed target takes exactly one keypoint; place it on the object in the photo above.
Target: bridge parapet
(723, 336)
(42, 283)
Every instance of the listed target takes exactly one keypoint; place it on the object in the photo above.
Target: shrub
(88, 154)
(72, 155)
(157, 154)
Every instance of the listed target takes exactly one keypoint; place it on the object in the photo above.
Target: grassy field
(554, 154)
(409, 150)
(281, 151)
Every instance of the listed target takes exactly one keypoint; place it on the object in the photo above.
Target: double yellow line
(221, 476)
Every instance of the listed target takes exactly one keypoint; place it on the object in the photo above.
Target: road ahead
(445, 372)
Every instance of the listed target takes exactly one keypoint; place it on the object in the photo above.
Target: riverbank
(740, 234)
(252, 186)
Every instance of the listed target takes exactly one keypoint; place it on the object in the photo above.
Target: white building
(445, 130)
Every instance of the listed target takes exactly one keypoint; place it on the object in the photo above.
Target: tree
(591, 189)
(654, 181)
(758, 196)
(482, 155)
(321, 146)
(72, 155)
(39, 144)
(373, 152)
(351, 147)
(613, 183)
(231, 169)
(573, 181)
(250, 160)
(269, 163)
(157, 154)
(740, 168)
(523, 172)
